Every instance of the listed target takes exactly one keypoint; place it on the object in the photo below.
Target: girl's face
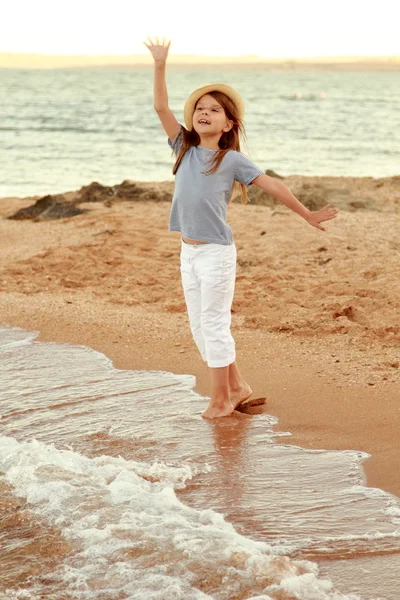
(209, 117)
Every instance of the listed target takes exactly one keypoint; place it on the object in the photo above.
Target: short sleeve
(245, 170)
(176, 144)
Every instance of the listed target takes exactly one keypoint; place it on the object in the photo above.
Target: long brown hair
(229, 140)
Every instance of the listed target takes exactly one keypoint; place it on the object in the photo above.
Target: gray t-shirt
(200, 202)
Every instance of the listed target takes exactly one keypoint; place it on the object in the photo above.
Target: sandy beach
(316, 316)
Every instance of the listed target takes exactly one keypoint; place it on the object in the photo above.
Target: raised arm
(278, 190)
(159, 50)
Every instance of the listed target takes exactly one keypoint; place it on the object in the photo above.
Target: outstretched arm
(278, 190)
(159, 50)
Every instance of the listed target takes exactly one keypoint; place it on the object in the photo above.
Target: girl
(209, 165)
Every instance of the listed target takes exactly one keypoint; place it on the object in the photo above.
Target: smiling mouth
(204, 122)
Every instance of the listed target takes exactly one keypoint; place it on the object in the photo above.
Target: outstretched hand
(319, 216)
(158, 47)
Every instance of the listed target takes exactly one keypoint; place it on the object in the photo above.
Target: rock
(48, 207)
(357, 204)
(95, 192)
(273, 174)
(61, 206)
(312, 195)
(127, 190)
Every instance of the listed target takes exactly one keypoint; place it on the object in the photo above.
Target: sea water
(61, 129)
(156, 503)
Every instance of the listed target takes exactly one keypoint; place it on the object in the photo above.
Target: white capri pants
(208, 274)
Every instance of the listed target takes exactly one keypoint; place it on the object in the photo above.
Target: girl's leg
(192, 293)
(220, 404)
(217, 277)
(239, 390)
(228, 390)
(216, 272)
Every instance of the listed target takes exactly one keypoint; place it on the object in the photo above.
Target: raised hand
(319, 216)
(158, 47)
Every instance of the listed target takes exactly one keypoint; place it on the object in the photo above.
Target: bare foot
(240, 395)
(222, 409)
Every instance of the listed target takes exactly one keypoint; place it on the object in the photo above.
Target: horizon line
(42, 60)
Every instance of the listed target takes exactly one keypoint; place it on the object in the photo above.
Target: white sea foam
(131, 533)
(145, 516)
(13, 337)
(307, 587)
(391, 504)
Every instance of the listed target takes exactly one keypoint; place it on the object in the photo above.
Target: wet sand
(316, 316)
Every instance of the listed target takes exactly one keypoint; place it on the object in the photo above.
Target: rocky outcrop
(345, 193)
(47, 208)
(61, 206)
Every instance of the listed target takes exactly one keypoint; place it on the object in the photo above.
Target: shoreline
(316, 415)
(315, 315)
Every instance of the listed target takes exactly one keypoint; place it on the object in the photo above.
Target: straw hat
(205, 89)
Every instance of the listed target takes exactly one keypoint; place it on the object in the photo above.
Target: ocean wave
(134, 536)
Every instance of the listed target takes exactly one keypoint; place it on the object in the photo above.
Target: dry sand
(316, 316)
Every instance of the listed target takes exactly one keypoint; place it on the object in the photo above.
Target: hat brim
(205, 89)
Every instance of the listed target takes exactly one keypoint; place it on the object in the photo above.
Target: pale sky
(287, 28)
